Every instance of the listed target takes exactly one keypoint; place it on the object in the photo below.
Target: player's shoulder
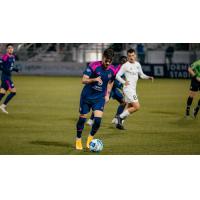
(4, 57)
(197, 62)
(137, 64)
(95, 64)
(113, 69)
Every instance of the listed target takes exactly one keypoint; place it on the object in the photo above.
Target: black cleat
(195, 112)
(120, 123)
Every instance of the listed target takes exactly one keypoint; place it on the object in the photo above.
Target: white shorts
(130, 95)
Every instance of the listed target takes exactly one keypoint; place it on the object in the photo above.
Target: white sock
(124, 114)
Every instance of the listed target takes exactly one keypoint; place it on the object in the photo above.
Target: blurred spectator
(169, 53)
(141, 53)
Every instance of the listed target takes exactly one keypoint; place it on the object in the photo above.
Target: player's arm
(86, 79)
(108, 91)
(119, 75)
(191, 72)
(144, 76)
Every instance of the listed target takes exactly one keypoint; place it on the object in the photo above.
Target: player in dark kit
(98, 78)
(116, 94)
(194, 71)
(7, 66)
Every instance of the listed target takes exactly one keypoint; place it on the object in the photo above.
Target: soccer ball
(96, 145)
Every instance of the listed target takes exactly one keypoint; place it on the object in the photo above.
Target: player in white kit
(131, 70)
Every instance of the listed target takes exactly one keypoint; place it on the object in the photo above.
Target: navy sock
(95, 126)
(9, 97)
(1, 96)
(120, 109)
(80, 126)
(92, 116)
(198, 106)
(189, 103)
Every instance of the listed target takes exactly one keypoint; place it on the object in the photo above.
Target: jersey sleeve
(88, 71)
(120, 73)
(141, 73)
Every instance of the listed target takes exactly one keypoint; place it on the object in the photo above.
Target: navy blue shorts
(86, 105)
(116, 94)
(7, 84)
(195, 85)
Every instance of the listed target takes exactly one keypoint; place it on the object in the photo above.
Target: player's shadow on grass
(52, 143)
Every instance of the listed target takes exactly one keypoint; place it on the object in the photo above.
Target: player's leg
(2, 93)
(10, 96)
(96, 125)
(3, 90)
(193, 91)
(91, 120)
(84, 110)
(97, 108)
(190, 98)
(132, 107)
(12, 89)
(196, 110)
(118, 96)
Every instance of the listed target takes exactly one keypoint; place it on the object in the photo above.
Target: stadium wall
(179, 70)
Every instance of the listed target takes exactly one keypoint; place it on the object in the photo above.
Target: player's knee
(13, 93)
(137, 107)
(2, 91)
(83, 115)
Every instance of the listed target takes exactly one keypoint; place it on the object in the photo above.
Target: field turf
(43, 115)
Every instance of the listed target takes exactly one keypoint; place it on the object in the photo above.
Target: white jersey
(131, 71)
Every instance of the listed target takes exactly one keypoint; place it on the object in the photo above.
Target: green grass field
(43, 115)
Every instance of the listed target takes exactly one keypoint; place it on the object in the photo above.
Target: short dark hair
(108, 53)
(9, 45)
(131, 51)
(123, 59)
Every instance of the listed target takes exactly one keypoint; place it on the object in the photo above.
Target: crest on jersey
(109, 75)
(88, 70)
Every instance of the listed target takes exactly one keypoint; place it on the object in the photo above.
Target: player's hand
(152, 78)
(98, 79)
(126, 83)
(107, 98)
(198, 79)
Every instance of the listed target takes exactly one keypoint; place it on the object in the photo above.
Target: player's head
(122, 60)
(9, 48)
(108, 55)
(131, 55)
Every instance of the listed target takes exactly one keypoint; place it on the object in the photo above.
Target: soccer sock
(9, 97)
(80, 126)
(124, 114)
(1, 96)
(189, 103)
(120, 109)
(95, 126)
(198, 106)
(92, 116)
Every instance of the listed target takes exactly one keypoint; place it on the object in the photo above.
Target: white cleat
(114, 121)
(3, 108)
(90, 122)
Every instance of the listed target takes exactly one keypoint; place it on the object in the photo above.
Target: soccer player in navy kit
(115, 94)
(7, 66)
(98, 79)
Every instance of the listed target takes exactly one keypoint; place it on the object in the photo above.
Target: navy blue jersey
(95, 90)
(7, 65)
